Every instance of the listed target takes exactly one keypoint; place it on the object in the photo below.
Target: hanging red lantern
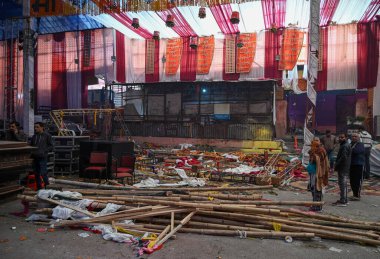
(170, 21)
(193, 42)
(202, 12)
(135, 23)
(235, 18)
(156, 35)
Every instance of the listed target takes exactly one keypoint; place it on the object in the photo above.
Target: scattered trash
(13, 228)
(22, 238)
(4, 241)
(374, 205)
(288, 239)
(318, 239)
(83, 234)
(335, 249)
(41, 230)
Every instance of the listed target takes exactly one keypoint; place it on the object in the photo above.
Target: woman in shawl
(318, 170)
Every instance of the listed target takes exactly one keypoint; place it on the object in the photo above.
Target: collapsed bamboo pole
(171, 233)
(85, 212)
(306, 227)
(229, 196)
(243, 234)
(203, 206)
(196, 189)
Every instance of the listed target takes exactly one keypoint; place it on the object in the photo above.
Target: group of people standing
(352, 162)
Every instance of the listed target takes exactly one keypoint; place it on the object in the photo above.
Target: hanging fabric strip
(222, 14)
(58, 80)
(149, 57)
(205, 54)
(246, 53)
(292, 41)
(152, 61)
(181, 26)
(322, 59)
(327, 11)
(120, 57)
(274, 13)
(230, 58)
(371, 12)
(173, 56)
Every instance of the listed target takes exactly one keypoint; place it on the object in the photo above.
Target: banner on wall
(173, 56)
(246, 52)
(230, 59)
(205, 54)
(292, 41)
(149, 56)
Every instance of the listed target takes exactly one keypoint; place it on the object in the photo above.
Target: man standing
(14, 133)
(342, 165)
(366, 139)
(43, 141)
(357, 164)
(329, 141)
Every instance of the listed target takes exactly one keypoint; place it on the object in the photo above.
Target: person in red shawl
(318, 170)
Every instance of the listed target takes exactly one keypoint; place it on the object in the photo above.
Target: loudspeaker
(115, 149)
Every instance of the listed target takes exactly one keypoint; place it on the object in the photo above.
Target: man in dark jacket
(342, 165)
(43, 141)
(357, 165)
(14, 133)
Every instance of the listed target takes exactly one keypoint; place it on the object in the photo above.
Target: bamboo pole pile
(168, 211)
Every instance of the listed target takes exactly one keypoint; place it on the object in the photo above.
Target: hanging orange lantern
(202, 12)
(156, 35)
(193, 42)
(135, 23)
(235, 19)
(169, 21)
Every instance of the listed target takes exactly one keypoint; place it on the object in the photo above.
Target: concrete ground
(67, 244)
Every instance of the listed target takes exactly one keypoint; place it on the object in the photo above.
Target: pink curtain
(188, 69)
(274, 13)
(272, 50)
(120, 57)
(222, 15)
(58, 79)
(370, 14)
(274, 16)
(2, 76)
(73, 75)
(368, 54)
(327, 11)
(87, 62)
(155, 77)
(43, 70)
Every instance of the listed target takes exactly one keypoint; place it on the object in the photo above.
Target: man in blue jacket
(43, 141)
(342, 165)
(357, 165)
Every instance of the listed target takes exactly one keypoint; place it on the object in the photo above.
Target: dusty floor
(67, 244)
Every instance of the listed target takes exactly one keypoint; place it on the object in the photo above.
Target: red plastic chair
(126, 169)
(98, 164)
